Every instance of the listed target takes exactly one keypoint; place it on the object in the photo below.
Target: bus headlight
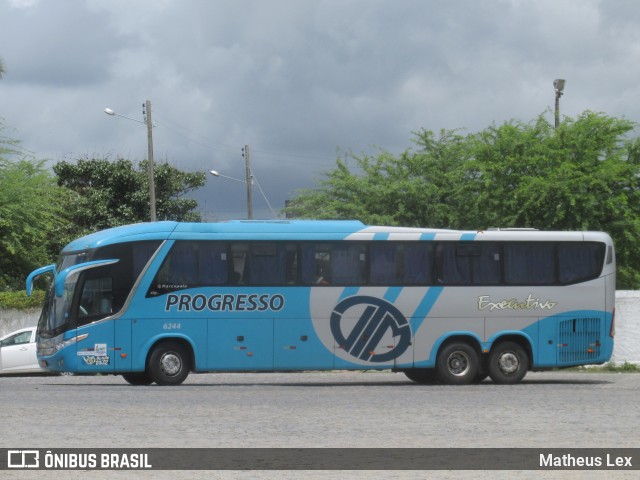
(49, 346)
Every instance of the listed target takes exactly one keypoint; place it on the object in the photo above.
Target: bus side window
(141, 253)
(97, 297)
(454, 264)
(384, 267)
(268, 264)
(579, 261)
(348, 263)
(316, 263)
(214, 269)
(417, 266)
(181, 266)
(191, 264)
(401, 263)
(487, 264)
(239, 271)
(529, 264)
(291, 264)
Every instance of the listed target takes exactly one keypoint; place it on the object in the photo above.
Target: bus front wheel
(508, 363)
(169, 364)
(457, 364)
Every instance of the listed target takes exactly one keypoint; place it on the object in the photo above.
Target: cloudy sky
(299, 81)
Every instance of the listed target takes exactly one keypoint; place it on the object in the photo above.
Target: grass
(609, 367)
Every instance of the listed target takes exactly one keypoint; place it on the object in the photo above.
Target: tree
(416, 188)
(110, 193)
(1, 68)
(32, 217)
(584, 175)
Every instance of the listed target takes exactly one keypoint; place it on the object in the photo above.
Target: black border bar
(319, 459)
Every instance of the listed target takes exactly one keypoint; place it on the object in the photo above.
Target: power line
(231, 149)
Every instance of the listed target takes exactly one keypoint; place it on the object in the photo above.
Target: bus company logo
(378, 318)
(251, 302)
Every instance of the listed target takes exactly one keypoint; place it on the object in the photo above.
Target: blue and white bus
(153, 302)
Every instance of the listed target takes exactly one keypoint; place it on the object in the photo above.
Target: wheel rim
(458, 363)
(170, 364)
(508, 363)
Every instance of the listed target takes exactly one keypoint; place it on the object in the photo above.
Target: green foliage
(18, 300)
(611, 366)
(574, 178)
(111, 193)
(31, 213)
(416, 188)
(583, 175)
(39, 214)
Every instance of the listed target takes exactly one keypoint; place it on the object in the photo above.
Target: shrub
(18, 300)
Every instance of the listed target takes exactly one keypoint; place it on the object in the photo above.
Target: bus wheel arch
(169, 361)
(509, 360)
(459, 360)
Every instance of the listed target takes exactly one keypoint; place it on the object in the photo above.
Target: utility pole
(146, 111)
(558, 86)
(249, 181)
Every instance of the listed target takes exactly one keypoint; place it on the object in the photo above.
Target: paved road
(332, 409)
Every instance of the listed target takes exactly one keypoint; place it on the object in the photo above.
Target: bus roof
(306, 230)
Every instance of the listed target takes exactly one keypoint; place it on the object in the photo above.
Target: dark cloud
(300, 82)
(57, 45)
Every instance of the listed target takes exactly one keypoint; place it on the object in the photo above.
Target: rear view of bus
(154, 302)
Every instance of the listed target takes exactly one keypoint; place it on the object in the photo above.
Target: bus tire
(423, 376)
(137, 378)
(169, 364)
(457, 364)
(508, 363)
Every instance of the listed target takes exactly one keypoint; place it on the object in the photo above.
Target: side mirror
(36, 273)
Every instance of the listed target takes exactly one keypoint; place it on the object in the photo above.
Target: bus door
(96, 352)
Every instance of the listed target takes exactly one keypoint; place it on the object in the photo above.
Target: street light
(152, 184)
(249, 184)
(218, 174)
(558, 85)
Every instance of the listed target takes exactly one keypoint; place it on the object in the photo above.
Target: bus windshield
(55, 310)
(94, 293)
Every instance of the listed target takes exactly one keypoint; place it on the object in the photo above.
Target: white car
(18, 352)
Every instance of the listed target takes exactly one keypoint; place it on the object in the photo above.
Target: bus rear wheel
(508, 363)
(137, 378)
(457, 364)
(169, 364)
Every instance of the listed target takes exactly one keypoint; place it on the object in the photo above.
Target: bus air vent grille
(579, 340)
